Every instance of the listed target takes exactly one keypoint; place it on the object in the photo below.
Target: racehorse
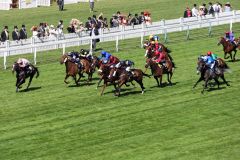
(158, 71)
(228, 48)
(208, 74)
(22, 75)
(71, 69)
(122, 77)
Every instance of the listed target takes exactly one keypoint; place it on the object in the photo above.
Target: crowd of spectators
(203, 10)
(117, 19)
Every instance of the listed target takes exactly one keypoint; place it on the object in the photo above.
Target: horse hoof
(142, 92)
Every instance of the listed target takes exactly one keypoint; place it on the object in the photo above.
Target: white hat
(51, 26)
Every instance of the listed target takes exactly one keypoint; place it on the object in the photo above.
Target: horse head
(64, 58)
(16, 68)
(201, 65)
(222, 41)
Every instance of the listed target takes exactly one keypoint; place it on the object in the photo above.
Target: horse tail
(168, 50)
(146, 75)
(37, 72)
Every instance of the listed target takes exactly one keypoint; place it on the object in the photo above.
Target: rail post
(117, 43)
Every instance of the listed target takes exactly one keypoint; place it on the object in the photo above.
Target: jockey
(128, 65)
(24, 63)
(229, 36)
(105, 57)
(75, 58)
(209, 60)
(85, 54)
(161, 58)
(213, 55)
(156, 38)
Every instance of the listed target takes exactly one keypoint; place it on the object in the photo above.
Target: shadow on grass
(30, 89)
(164, 84)
(82, 84)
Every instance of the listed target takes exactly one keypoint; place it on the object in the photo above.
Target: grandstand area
(57, 121)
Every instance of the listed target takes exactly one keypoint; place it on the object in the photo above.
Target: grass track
(53, 121)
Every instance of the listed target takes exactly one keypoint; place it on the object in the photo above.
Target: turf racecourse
(56, 121)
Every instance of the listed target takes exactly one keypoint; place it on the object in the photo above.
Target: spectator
(94, 32)
(41, 30)
(227, 7)
(60, 27)
(187, 13)
(5, 34)
(15, 34)
(34, 31)
(194, 11)
(23, 32)
(52, 31)
(141, 18)
(88, 24)
(211, 9)
(205, 10)
(201, 11)
(115, 22)
(60, 4)
(91, 4)
(134, 20)
(147, 18)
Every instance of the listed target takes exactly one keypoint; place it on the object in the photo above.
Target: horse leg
(141, 85)
(205, 85)
(75, 79)
(235, 51)
(199, 80)
(100, 80)
(65, 80)
(216, 80)
(103, 88)
(231, 56)
(225, 55)
(169, 75)
(157, 81)
(29, 82)
(224, 80)
(19, 84)
(160, 80)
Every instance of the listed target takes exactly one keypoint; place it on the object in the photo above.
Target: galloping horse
(208, 74)
(158, 71)
(122, 77)
(71, 69)
(21, 75)
(228, 48)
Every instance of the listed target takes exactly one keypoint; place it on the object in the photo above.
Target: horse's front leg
(204, 86)
(224, 80)
(29, 82)
(100, 80)
(235, 51)
(76, 81)
(103, 88)
(225, 55)
(157, 80)
(66, 77)
(199, 80)
(19, 84)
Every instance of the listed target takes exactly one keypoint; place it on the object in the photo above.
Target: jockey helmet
(150, 37)
(209, 53)
(103, 53)
(152, 42)
(82, 51)
(227, 32)
(156, 38)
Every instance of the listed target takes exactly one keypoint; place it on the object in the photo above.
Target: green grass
(54, 121)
